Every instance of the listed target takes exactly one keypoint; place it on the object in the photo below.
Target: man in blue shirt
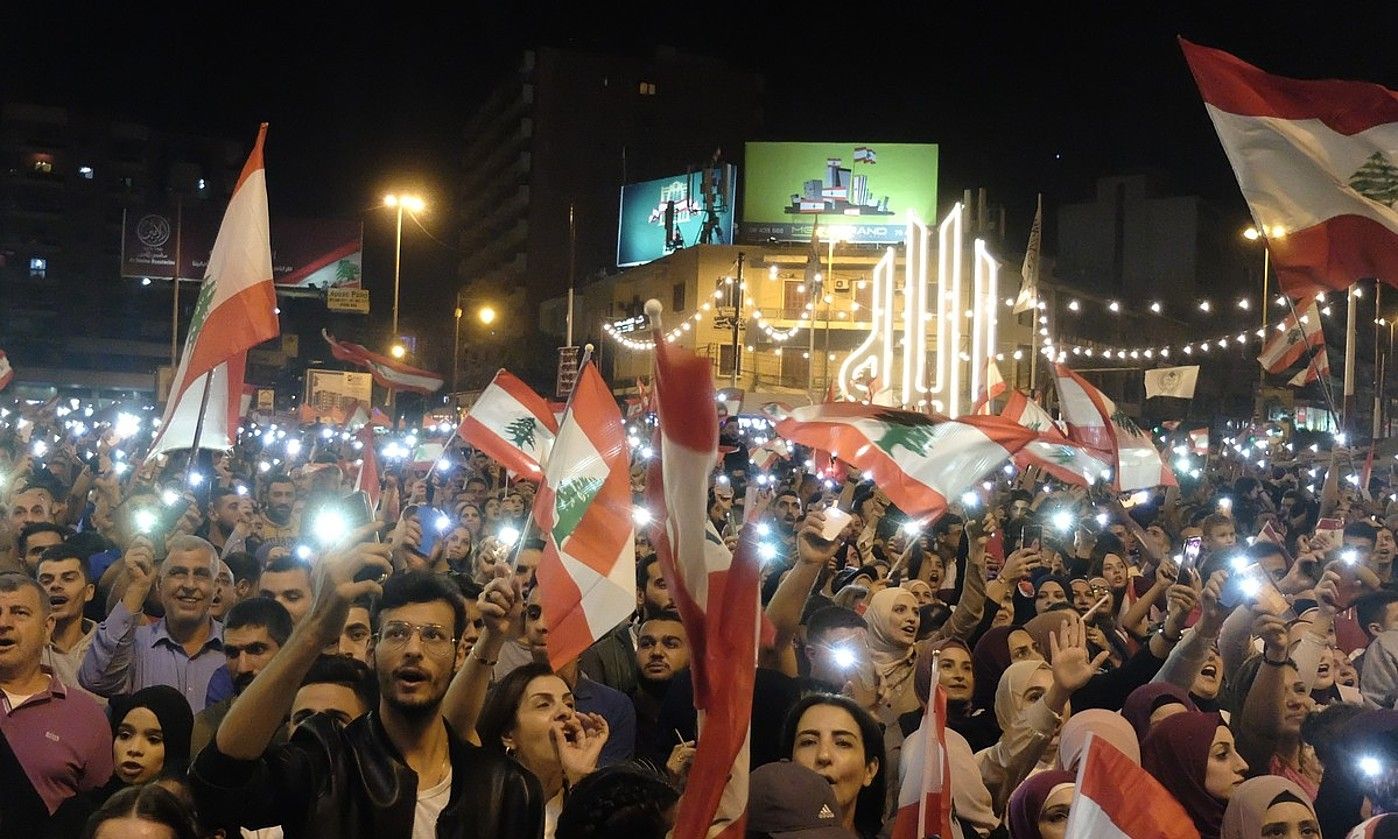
(184, 649)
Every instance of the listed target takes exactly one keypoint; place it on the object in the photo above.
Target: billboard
(306, 253)
(700, 199)
(865, 189)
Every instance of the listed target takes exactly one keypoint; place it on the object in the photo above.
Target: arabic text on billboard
(866, 189)
(306, 253)
(701, 199)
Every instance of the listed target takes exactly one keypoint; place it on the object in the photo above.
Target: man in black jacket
(398, 772)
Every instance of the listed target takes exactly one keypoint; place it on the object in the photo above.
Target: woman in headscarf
(921, 591)
(1039, 807)
(1111, 727)
(1269, 703)
(1149, 704)
(955, 675)
(893, 618)
(993, 654)
(1269, 806)
(1107, 689)
(151, 729)
(1030, 704)
(1194, 758)
(1049, 591)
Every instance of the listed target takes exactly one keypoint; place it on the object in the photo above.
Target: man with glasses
(184, 649)
(399, 771)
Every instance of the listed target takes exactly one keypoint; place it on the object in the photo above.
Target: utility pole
(737, 318)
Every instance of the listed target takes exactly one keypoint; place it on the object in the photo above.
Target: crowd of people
(243, 645)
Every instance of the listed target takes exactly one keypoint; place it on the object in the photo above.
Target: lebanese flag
(512, 424)
(1318, 158)
(1271, 534)
(1117, 799)
(388, 373)
(587, 574)
(920, 461)
(220, 429)
(235, 311)
(1295, 335)
(768, 453)
(7, 373)
(1053, 451)
(368, 478)
(1318, 369)
(716, 592)
(1095, 421)
(924, 799)
(992, 387)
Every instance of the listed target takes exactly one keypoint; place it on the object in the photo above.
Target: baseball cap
(788, 801)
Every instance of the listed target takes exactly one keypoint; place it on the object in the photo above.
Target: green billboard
(863, 189)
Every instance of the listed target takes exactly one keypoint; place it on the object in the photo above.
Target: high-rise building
(71, 322)
(555, 142)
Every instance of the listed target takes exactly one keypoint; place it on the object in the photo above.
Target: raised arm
(812, 554)
(1257, 727)
(502, 608)
(106, 668)
(254, 719)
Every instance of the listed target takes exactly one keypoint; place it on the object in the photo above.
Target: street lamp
(486, 314)
(399, 203)
(397, 351)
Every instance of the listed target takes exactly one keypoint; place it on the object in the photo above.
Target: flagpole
(1351, 347)
(198, 426)
(175, 306)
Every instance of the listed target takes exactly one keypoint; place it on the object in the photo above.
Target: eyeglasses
(436, 639)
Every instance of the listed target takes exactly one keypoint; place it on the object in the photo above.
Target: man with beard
(786, 510)
(183, 649)
(662, 650)
(287, 580)
(36, 538)
(278, 501)
(256, 628)
(612, 660)
(399, 771)
(225, 511)
(63, 574)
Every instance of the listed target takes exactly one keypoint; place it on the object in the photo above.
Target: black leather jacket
(350, 781)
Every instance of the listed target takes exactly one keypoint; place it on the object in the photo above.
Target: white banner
(1172, 381)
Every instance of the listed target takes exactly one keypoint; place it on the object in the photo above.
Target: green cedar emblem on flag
(521, 432)
(913, 432)
(1376, 180)
(570, 504)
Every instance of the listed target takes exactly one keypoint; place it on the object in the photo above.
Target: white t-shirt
(552, 809)
(430, 803)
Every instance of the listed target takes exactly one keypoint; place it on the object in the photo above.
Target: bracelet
(484, 662)
(1174, 640)
(1283, 663)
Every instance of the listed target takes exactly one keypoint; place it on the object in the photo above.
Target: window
(677, 298)
(647, 88)
(85, 172)
(43, 166)
(38, 268)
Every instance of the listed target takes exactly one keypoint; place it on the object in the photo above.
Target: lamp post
(413, 204)
(486, 314)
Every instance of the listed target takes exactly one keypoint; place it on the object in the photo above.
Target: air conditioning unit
(841, 284)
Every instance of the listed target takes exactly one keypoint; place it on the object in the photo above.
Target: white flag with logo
(1172, 381)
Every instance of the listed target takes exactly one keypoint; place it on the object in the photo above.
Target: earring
(510, 752)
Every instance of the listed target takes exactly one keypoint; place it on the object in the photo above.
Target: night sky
(1041, 98)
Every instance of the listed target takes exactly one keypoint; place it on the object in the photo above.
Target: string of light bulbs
(1078, 305)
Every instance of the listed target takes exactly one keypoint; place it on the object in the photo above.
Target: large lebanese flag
(387, 373)
(587, 574)
(235, 311)
(1117, 799)
(1053, 451)
(1299, 331)
(991, 388)
(1316, 158)
(920, 461)
(512, 424)
(924, 797)
(1095, 422)
(716, 592)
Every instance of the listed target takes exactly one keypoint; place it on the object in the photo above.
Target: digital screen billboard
(866, 189)
(306, 253)
(698, 200)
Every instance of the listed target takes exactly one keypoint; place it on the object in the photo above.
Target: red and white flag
(7, 373)
(1316, 158)
(1272, 534)
(368, 477)
(924, 797)
(587, 574)
(716, 592)
(1199, 441)
(387, 373)
(1095, 422)
(1298, 332)
(1318, 369)
(769, 453)
(920, 461)
(1053, 451)
(235, 311)
(1117, 799)
(512, 424)
(991, 388)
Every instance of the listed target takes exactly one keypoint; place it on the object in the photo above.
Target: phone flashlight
(329, 526)
(443, 465)
(1063, 520)
(1239, 563)
(195, 479)
(1349, 556)
(293, 447)
(443, 523)
(508, 536)
(764, 529)
(844, 657)
(640, 516)
(120, 468)
(170, 497)
(970, 499)
(145, 521)
(1225, 503)
(1249, 586)
(40, 448)
(1371, 766)
(766, 551)
(241, 490)
(303, 553)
